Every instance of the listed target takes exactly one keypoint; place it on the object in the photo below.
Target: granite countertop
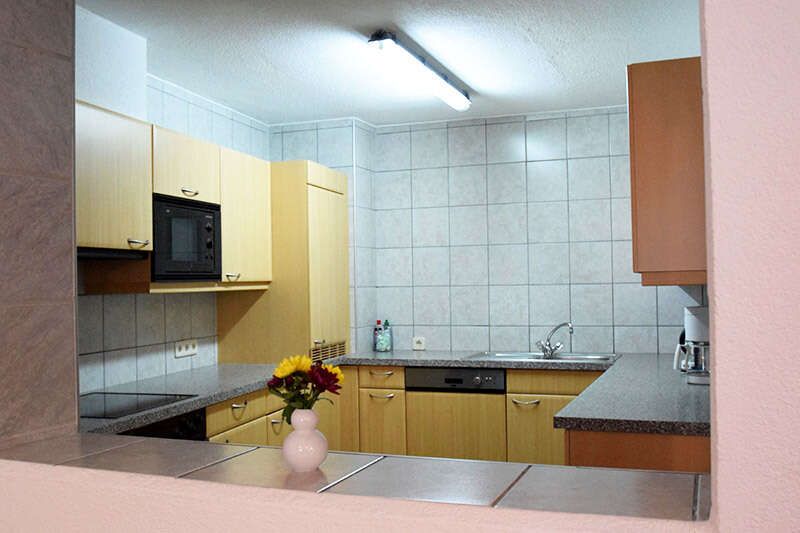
(640, 394)
(463, 359)
(668, 495)
(208, 385)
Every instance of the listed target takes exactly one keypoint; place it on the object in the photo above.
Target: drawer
(234, 412)
(382, 377)
(570, 382)
(253, 433)
(277, 429)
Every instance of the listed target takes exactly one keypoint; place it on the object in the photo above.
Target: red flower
(323, 379)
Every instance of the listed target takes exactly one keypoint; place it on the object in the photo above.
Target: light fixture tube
(414, 67)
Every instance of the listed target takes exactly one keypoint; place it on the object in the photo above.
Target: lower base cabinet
(253, 432)
(382, 421)
(457, 425)
(531, 435)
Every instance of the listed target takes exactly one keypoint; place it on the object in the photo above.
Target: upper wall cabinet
(667, 174)
(113, 180)
(246, 221)
(185, 167)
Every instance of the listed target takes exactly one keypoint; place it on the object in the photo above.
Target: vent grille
(321, 353)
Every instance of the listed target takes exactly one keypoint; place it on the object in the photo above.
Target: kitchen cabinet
(531, 435)
(246, 220)
(571, 382)
(113, 180)
(185, 167)
(229, 414)
(277, 429)
(251, 433)
(459, 425)
(381, 377)
(382, 421)
(338, 420)
(307, 307)
(667, 171)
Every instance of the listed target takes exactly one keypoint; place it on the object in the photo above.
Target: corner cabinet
(185, 167)
(665, 106)
(113, 180)
(246, 221)
(306, 310)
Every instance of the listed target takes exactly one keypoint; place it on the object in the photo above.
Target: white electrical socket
(418, 343)
(186, 348)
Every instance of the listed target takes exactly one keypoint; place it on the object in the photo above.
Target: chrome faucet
(549, 350)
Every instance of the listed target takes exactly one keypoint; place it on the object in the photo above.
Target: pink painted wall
(751, 72)
(752, 88)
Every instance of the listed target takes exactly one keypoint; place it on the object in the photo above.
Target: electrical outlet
(419, 343)
(186, 348)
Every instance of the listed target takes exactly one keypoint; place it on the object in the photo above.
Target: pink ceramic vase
(305, 448)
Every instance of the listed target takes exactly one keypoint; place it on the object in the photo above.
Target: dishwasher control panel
(456, 379)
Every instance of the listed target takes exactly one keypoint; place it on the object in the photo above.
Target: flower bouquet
(301, 383)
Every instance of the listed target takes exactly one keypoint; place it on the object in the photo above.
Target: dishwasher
(456, 412)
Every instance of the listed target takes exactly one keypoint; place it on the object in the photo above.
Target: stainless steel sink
(538, 356)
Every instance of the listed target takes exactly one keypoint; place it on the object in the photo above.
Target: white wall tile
(672, 300)
(621, 219)
(151, 361)
(178, 316)
(668, 337)
(550, 304)
(395, 304)
(505, 183)
(620, 177)
(469, 265)
(300, 145)
(509, 339)
(401, 337)
(335, 146)
(505, 142)
(432, 305)
(508, 305)
(429, 148)
(430, 227)
(547, 180)
(587, 136)
(361, 193)
(593, 339)
(436, 337)
(590, 220)
(120, 366)
(363, 148)
(468, 225)
(508, 223)
(590, 262)
(391, 190)
(431, 266)
(222, 129)
(366, 306)
(591, 305)
(393, 228)
(466, 145)
(241, 137)
(276, 147)
(150, 328)
(469, 338)
(548, 222)
(119, 321)
(90, 372)
(622, 253)
(635, 339)
(467, 185)
(618, 133)
(365, 267)
(176, 364)
(176, 113)
(155, 105)
(90, 323)
(429, 187)
(469, 306)
(634, 305)
(392, 151)
(549, 263)
(200, 123)
(589, 178)
(365, 220)
(206, 353)
(508, 264)
(393, 267)
(204, 314)
(546, 139)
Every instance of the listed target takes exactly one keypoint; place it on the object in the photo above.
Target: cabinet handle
(138, 242)
(238, 405)
(234, 276)
(189, 192)
(523, 402)
(386, 373)
(278, 423)
(382, 396)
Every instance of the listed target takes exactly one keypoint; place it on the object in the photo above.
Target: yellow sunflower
(290, 365)
(336, 371)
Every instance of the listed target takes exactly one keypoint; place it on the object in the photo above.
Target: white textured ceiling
(284, 61)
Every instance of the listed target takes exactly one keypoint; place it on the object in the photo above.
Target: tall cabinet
(306, 310)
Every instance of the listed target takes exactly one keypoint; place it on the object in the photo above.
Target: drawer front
(253, 433)
(382, 421)
(235, 412)
(277, 429)
(571, 382)
(531, 435)
(381, 377)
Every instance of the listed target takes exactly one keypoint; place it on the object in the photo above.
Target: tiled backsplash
(125, 337)
(488, 233)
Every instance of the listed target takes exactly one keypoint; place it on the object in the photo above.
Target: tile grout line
(503, 494)
(247, 449)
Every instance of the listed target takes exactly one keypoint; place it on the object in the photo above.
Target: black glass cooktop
(118, 404)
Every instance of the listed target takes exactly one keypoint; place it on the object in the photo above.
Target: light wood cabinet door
(382, 421)
(236, 411)
(665, 101)
(252, 433)
(277, 429)
(459, 425)
(531, 435)
(246, 221)
(327, 267)
(113, 180)
(338, 421)
(185, 167)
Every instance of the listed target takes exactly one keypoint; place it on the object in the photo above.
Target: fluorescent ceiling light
(414, 67)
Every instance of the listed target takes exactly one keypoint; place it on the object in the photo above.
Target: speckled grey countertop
(209, 385)
(640, 394)
(438, 358)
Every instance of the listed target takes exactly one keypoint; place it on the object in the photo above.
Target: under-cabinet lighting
(416, 68)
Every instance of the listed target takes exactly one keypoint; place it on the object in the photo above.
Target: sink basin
(538, 356)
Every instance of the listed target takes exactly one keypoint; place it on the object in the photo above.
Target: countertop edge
(658, 427)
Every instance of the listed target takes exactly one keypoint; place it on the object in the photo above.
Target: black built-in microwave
(186, 240)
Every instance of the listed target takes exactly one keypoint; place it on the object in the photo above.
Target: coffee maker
(693, 353)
